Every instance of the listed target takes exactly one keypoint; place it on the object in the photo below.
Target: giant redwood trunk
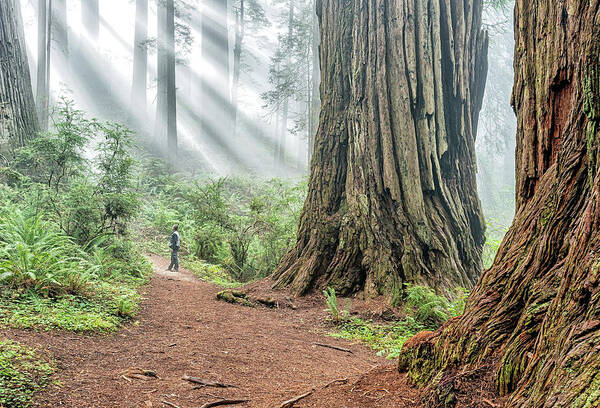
(392, 196)
(533, 321)
(18, 118)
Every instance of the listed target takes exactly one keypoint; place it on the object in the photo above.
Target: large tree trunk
(18, 119)
(316, 81)
(140, 60)
(42, 83)
(392, 194)
(171, 85)
(533, 321)
(217, 112)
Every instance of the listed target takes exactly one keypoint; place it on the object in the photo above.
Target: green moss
(386, 339)
(235, 297)
(590, 397)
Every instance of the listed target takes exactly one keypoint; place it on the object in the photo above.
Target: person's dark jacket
(175, 241)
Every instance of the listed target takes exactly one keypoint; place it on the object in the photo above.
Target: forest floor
(269, 355)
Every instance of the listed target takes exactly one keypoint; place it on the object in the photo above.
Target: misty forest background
(245, 84)
(366, 152)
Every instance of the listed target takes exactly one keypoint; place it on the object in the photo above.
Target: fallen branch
(224, 402)
(204, 383)
(334, 347)
(340, 380)
(138, 373)
(169, 404)
(292, 402)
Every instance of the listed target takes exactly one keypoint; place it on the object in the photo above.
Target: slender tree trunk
(532, 323)
(217, 116)
(171, 83)
(140, 60)
(42, 88)
(60, 36)
(90, 18)
(160, 124)
(240, 29)
(392, 195)
(286, 101)
(18, 119)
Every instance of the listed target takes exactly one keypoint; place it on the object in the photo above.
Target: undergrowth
(22, 374)
(424, 309)
(386, 339)
(67, 260)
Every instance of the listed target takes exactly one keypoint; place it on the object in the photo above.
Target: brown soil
(268, 354)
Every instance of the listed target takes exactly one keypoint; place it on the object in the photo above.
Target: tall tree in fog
(90, 19)
(392, 194)
(285, 106)
(43, 62)
(531, 326)
(60, 35)
(171, 84)
(248, 14)
(18, 119)
(161, 73)
(140, 58)
(294, 75)
(215, 98)
(166, 110)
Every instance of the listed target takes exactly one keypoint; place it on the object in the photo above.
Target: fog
(98, 77)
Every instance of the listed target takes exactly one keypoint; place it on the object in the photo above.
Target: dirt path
(268, 354)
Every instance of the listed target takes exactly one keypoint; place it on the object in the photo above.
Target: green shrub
(245, 225)
(386, 339)
(22, 374)
(35, 255)
(431, 309)
(332, 306)
(125, 307)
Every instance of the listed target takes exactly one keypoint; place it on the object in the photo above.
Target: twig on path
(205, 383)
(292, 402)
(139, 373)
(207, 394)
(339, 380)
(224, 402)
(334, 347)
(169, 404)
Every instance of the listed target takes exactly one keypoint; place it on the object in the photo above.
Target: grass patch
(22, 374)
(386, 339)
(108, 304)
(214, 274)
(425, 310)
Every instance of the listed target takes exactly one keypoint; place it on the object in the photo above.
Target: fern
(431, 309)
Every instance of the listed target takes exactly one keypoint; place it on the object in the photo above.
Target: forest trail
(269, 355)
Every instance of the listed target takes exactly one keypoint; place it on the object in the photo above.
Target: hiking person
(174, 244)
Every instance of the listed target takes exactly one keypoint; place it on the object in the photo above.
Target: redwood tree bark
(392, 194)
(18, 119)
(533, 321)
